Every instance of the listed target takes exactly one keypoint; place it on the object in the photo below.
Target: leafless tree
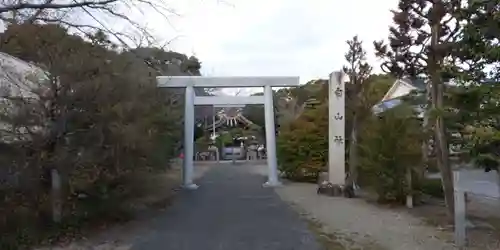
(89, 16)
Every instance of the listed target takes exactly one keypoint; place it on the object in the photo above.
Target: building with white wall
(17, 79)
(399, 89)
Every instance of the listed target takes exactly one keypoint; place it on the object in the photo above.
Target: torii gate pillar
(270, 138)
(187, 168)
(190, 82)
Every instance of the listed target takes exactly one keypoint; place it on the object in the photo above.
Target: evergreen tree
(358, 71)
(422, 42)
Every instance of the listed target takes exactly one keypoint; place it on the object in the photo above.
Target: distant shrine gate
(230, 116)
(336, 109)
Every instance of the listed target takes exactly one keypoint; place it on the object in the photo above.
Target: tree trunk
(425, 140)
(498, 183)
(442, 153)
(353, 153)
(56, 195)
(420, 171)
(442, 156)
(409, 183)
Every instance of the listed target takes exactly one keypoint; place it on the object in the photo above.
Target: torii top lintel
(226, 81)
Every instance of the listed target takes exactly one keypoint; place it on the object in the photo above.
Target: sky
(272, 37)
(305, 38)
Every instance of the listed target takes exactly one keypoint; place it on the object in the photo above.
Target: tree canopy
(95, 116)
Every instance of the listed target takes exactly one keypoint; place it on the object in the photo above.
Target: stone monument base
(330, 189)
(335, 190)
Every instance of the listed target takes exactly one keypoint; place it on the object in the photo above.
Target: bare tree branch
(71, 12)
(51, 5)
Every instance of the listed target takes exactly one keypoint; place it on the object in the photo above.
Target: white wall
(17, 79)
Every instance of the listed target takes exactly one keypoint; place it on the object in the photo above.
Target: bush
(433, 187)
(96, 116)
(389, 146)
(302, 146)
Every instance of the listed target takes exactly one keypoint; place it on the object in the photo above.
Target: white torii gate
(336, 113)
(189, 82)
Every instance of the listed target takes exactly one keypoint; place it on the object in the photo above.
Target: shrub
(389, 146)
(302, 145)
(96, 117)
(433, 187)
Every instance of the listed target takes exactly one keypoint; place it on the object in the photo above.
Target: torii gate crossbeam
(190, 82)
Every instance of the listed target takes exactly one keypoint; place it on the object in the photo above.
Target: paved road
(476, 181)
(483, 190)
(230, 211)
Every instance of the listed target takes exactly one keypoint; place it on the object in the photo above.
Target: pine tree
(477, 104)
(358, 71)
(480, 46)
(422, 42)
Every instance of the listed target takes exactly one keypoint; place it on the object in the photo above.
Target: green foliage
(372, 91)
(441, 41)
(358, 71)
(475, 117)
(471, 45)
(479, 46)
(433, 187)
(302, 146)
(223, 139)
(97, 96)
(390, 146)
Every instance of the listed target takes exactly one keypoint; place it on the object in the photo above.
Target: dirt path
(359, 225)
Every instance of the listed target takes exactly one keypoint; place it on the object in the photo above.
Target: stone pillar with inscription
(336, 129)
(335, 184)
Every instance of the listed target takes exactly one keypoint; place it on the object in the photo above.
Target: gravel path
(230, 210)
(365, 226)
